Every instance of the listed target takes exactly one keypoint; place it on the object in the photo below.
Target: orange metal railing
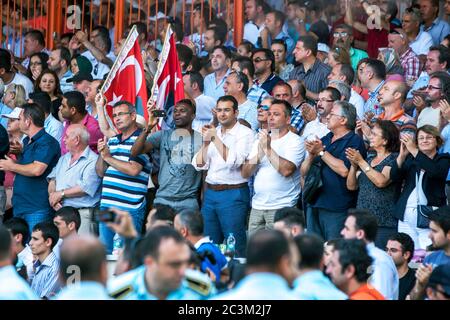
(55, 17)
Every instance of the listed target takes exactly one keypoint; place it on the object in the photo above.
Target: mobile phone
(159, 113)
(106, 216)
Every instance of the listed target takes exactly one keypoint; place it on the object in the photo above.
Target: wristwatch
(367, 169)
(321, 153)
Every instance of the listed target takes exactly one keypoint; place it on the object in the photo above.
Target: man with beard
(179, 182)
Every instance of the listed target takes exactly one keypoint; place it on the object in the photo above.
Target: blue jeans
(107, 235)
(226, 212)
(35, 217)
(325, 223)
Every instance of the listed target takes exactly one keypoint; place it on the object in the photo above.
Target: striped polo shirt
(403, 122)
(121, 190)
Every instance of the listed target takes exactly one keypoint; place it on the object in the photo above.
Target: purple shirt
(94, 132)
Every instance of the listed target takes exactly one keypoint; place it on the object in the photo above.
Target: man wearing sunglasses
(343, 37)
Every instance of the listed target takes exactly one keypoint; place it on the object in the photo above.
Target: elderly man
(398, 40)
(74, 182)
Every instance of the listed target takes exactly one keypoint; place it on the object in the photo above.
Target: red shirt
(377, 39)
(94, 132)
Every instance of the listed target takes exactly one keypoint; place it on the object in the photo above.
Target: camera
(106, 216)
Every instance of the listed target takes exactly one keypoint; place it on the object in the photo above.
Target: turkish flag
(126, 79)
(168, 86)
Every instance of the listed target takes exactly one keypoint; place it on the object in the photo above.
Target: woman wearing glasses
(38, 63)
(263, 113)
(372, 177)
(423, 173)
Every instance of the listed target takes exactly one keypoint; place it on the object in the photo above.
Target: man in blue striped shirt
(45, 277)
(125, 178)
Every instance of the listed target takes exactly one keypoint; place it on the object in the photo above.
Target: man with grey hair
(298, 94)
(327, 210)
(420, 41)
(343, 88)
(73, 181)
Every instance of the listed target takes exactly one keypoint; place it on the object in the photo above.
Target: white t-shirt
(24, 81)
(422, 43)
(203, 115)
(429, 116)
(272, 190)
(98, 69)
(358, 102)
(315, 128)
(251, 32)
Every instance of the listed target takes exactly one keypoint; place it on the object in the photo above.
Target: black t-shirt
(4, 148)
(406, 284)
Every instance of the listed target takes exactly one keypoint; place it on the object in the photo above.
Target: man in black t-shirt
(400, 247)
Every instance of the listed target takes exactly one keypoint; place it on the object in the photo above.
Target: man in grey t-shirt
(179, 182)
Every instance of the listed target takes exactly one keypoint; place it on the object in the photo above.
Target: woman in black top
(420, 164)
(48, 82)
(372, 177)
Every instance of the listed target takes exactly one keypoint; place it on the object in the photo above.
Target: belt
(222, 187)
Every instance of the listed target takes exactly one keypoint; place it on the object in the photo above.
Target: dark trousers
(325, 223)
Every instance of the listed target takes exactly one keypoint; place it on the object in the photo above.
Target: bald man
(398, 40)
(83, 269)
(73, 181)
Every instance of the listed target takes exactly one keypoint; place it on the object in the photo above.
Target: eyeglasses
(115, 115)
(424, 138)
(258, 60)
(335, 114)
(430, 87)
(264, 107)
(340, 34)
(323, 100)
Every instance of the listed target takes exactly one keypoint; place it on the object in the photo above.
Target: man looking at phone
(226, 199)
(73, 182)
(179, 182)
(125, 178)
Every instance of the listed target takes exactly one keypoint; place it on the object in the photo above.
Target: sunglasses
(258, 60)
(264, 107)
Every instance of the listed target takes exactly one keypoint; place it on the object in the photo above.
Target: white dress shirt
(239, 141)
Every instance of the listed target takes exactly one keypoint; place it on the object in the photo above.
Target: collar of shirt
(48, 262)
(67, 75)
(223, 79)
(84, 155)
(233, 131)
(330, 136)
(374, 93)
(34, 138)
(144, 294)
(395, 117)
(312, 69)
(281, 36)
(433, 24)
(22, 254)
(135, 133)
(202, 241)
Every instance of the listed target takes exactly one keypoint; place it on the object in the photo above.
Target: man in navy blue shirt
(39, 155)
(4, 148)
(327, 213)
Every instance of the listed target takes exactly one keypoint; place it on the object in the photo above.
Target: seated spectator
(48, 82)
(282, 68)
(337, 55)
(59, 62)
(298, 94)
(263, 114)
(420, 41)
(67, 220)
(38, 63)
(289, 220)
(348, 270)
(409, 61)
(45, 282)
(283, 91)
(160, 215)
(400, 247)
(264, 64)
(245, 49)
(312, 284)
(9, 76)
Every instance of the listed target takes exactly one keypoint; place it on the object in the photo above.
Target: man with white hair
(73, 182)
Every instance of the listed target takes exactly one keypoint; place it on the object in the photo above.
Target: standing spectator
(424, 173)
(420, 41)
(88, 254)
(273, 30)
(236, 85)
(275, 157)
(4, 149)
(12, 286)
(38, 63)
(400, 247)
(255, 92)
(270, 260)
(291, 221)
(439, 235)
(213, 37)
(348, 270)
(190, 225)
(226, 199)
(326, 215)
(437, 28)
(179, 182)
(255, 11)
(45, 282)
(361, 224)
(263, 114)
(282, 67)
(59, 62)
(264, 63)
(9, 76)
(343, 37)
(40, 154)
(313, 72)
(21, 235)
(33, 42)
(91, 92)
(312, 284)
(51, 125)
(438, 88)
(372, 78)
(398, 40)
(73, 181)
(118, 169)
(220, 62)
(283, 91)
(73, 111)
(48, 82)
(372, 178)
(68, 221)
(193, 84)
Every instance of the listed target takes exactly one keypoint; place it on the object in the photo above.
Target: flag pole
(160, 62)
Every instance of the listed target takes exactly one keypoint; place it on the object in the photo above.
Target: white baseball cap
(323, 47)
(14, 114)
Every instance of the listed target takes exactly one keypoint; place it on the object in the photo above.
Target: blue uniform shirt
(84, 290)
(13, 287)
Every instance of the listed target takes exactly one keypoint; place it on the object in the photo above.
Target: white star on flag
(115, 100)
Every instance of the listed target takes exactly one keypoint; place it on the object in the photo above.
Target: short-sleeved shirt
(178, 179)
(92, 127)
(437, 258)
(119, 189)
(334, 195)
(43, 148)
(270, 83)
(406, 284)
(316, 78)
(438, 30)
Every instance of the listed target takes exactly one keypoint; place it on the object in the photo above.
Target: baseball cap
(14, 114)
(84, 65)
(441, 276)
(158, 16)
(80, 76)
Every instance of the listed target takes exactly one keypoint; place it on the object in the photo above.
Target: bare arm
(352, 181)
(34, 169)
(335, 164)
(105, 128)
(202, 154)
